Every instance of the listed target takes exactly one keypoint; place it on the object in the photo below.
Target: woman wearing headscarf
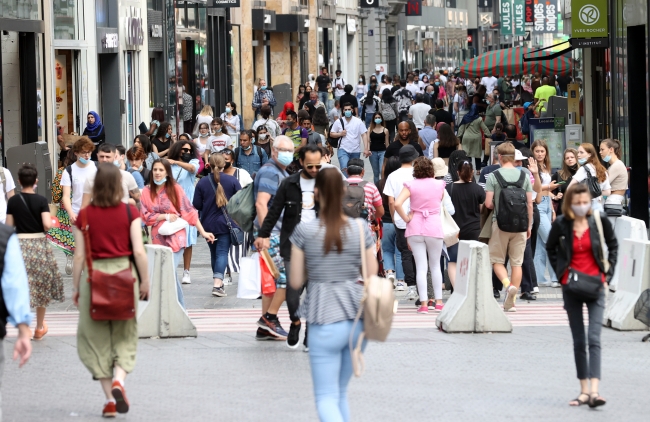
(470, 134)
(309, 107)
(95, 131)
(282, 117)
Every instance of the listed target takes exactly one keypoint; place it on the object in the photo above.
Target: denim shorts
(452, 251)
(274, 251)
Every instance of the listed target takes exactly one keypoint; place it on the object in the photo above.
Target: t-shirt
(491, 114)
(217, 143)
(581, 176)
(372, 198)
(322, 82)
(27, 218)
(395, 146)
(139, 180)
(109, 240)
(348, 98)
(339, 91)
(354, 128)
(489, 82)
(429, 136)
(394, 186)
(617, 173)
(419, 111)
(467, 198)
(271, 125)
(128, 184)
(79, 176)
(413, 89)
(443, 116)
(268, 180)
(509, 175)
(296, 135)
(10, 185)
(543, 93)
(334, 114)
(308, 204)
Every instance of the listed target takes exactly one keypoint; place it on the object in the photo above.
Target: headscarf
(311, 108)
(455, 158)
(471, 116)
(96, 125)
(283, 114)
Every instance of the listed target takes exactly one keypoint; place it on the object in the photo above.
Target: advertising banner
(545, 16)
(519, 18)
(61, 85)
(589, 19)
(506, 17)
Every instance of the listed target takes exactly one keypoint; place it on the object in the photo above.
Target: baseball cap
(527, 104)
(519, 156)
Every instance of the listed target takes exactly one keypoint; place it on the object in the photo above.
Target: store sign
(352, 26)
(224, 3)
(545, 16)
(110, 41)
(133, 27)
(414, 8)
(485, 19)
(528, 10)
(589, 19)
(368, 4)
(156, 31)
(519, 18)
(506, 17)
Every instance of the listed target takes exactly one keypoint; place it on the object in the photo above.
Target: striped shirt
(334, 294)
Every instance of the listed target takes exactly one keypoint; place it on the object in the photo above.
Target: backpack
(241, 208)
(335, 142)
(512, 216)
(525, 124)
(314, 138)
(354, 200)
(235, 157)
(387, 111)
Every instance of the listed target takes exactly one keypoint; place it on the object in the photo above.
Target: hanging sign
(519, 18)
(413, 8)
(368, 4)
(528, 10)
(545, 16)
(506, 17)
(589, 19)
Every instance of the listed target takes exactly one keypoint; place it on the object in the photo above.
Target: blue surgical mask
(263, 88)
(377, 121)
(437, 83)
(582, 161)
(348, 113)
(217, 130)
(285, 158)
(518, 167)
(607, 158)
(140, 168)
(161, 181)
(167, 135)
(84, 160)
(228, 110)
(204, 135)
(246, 149)
(116, 163)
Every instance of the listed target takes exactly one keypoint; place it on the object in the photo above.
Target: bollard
(634, 278)
(162, 315)
(626, 228)
(472, 307)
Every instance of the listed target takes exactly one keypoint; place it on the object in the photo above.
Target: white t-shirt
(421, 85)
(443, 79)
(233, 120)
(394, 186)
(128, 184)
(200, 145)
(419, 111)
(9, 186)
(271, 125)
(581, 175)
(412, 88)
(217, 143)
(489, 82)
(338, 92)
(79, 177)
(308, 204)
(200, 118)
(354, 128)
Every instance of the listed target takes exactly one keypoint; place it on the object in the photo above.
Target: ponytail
(217, 163)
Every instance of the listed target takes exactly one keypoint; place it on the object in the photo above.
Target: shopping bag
(249, 285)
(268, 282)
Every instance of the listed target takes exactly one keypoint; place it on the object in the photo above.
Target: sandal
(579, 402)
(595, 400)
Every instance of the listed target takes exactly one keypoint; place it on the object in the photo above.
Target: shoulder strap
(29, 211)
(599, 225)
(259, 151)
(502, 182)
(137, 271)
(211, 179)
(342, 123)
(235, 156)
(522, 179)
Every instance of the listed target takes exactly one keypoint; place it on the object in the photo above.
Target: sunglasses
(226, 151)
(186, 150)
(311, 166)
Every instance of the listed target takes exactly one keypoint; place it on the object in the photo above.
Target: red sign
(529, 14)
(469, 38)
(413, 8)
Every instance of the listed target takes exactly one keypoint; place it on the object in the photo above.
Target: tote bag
(249, 285)
(450, 229)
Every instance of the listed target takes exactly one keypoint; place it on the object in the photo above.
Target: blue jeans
(322, 96)
(376, 161)
(541, 258)
(392, 256)
(331, 367)
(344, 157)
(368, 119)
(178, 257)
(219, 255)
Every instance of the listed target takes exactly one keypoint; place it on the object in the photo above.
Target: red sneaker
(121, 402)
(109, 410)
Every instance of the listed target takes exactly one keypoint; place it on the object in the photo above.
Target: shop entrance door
(600, 88)
(109, 98)
(189, 81)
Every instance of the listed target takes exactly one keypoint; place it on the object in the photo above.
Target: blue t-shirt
(268, 180)
(205, 201)
(139, 180)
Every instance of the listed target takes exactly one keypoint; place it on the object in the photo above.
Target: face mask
(581, 210)
(263, 88)
(140, 168)
(313, 102)
(228, 164)
(360, 80)
(582, 161)
(186, 157)
(217, 130)
(437, 83)
(285, 158)
(377, 121)
(607, 158)
(518, 167)
(116, 163)
(228, 110)
(167, 135)
(161, 181)
(246, 149)
(204, 135)
(348, 113)
(262, 135)
(83, 160)
(573, 167)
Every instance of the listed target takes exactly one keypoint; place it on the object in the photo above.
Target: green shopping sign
(589, 19)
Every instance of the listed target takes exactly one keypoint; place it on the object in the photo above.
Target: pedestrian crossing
(547, 314)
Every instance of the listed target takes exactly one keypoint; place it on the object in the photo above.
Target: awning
(510, 61)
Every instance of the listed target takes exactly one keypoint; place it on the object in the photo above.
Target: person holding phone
(563, 177)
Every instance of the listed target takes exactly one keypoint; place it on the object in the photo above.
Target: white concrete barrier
(162, 315)
(626, 228)
(472, 307)
(634, 278)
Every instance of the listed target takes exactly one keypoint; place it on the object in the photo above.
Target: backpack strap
(522, 179)
(69, 170)
(500, 180)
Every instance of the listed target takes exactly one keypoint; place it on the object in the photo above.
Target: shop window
(101, 13)
(65, 19)
(26, 9)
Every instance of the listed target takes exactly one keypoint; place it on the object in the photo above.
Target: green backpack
(241, 208)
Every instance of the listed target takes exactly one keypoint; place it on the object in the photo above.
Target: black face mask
(228, 164)
(186, 157)
(573, 168)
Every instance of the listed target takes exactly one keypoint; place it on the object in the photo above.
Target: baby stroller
(642, 311)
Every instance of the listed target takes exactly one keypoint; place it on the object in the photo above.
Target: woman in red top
(575, 242)
(107, 348)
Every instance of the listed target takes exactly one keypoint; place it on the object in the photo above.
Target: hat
(377, 67)
(439, 167)
(519, 156)
(408, 154)
(527, 104)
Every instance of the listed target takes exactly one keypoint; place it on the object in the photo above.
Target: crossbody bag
(236, 234)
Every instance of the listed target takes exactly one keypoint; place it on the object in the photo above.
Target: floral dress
(62, 236)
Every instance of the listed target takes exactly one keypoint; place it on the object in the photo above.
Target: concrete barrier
(472, 307)
(162, 315)
(626, 228)
(634, 278)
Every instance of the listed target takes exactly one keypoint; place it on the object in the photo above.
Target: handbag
(378, 305)
(111, 295)
(236, 234)
(615, 210)
(249, 285)
(592, 183)
(170, 227)
(450, 229)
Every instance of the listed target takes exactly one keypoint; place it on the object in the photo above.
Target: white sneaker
(535, 290)
(227, 280)
(545, 284)
(412, 294)
(186, 277)
(511, 295)
(556, 284)
(390, 276)
(400, 286)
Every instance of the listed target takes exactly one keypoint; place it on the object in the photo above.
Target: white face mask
(581, 210)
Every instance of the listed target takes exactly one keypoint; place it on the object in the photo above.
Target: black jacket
(559, 245)
(287, 198)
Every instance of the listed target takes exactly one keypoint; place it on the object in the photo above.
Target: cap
(408, 154)
(439, 167)
(377, 67)
(527, 104)
(519, 156)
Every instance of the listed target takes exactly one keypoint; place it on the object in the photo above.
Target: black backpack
(334, 142)
(512, 216)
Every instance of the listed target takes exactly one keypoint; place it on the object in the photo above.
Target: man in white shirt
(392, 189)
(8, 186)
(108, 154)
(412, 86)
(489, 82)
(352, 132)
(418, 111)
(338, 84)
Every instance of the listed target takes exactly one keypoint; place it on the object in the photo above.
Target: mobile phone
(563, 182)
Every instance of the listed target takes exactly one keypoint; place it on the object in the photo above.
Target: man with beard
(294, 203)
(406, 134)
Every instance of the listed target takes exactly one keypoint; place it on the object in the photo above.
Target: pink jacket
(150, 211)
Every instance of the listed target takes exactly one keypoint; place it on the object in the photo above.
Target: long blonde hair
(206, 111)
(217, 163)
